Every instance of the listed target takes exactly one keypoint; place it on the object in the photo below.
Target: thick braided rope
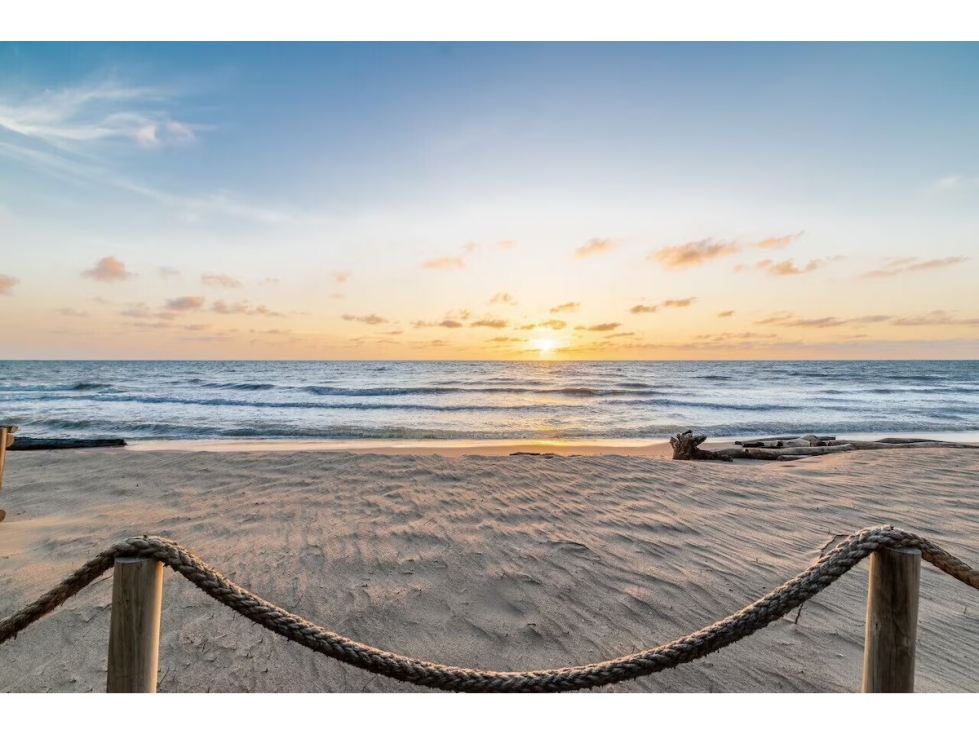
(753, 617)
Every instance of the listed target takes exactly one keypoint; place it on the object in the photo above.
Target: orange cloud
(507, 244)
(896, 266)
(594, 247)
(525, 327)
(445, 263)
(566, 307)
(7, 283)
(787, 267)
(108, 269)
(599, 327)
(774, 243)
(506, 339)
(693, 254)
(341, 276)
(491, 323)
(555, 324)
(445, 324)
(217, 280)
(670, 303)
(373, 319)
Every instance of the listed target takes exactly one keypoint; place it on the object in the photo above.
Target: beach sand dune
(497, 562)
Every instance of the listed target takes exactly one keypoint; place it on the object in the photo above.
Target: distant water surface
(485, 400)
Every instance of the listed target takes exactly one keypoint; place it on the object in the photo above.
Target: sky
(489, 201)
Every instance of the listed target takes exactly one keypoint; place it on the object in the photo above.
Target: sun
(544, 346)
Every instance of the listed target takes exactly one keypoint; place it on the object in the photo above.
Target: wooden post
(6, 439)
(892, 621)
(134, 628)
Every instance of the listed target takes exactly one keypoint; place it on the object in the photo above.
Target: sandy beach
(492, 561)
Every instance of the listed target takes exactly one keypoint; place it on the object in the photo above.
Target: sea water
(416, 401)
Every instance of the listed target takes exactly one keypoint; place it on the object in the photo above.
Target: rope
(752, 618)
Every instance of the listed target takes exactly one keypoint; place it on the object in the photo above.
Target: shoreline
(655, 447)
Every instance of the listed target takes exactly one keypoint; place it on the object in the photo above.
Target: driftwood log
(785, 448)
(686, 448)
(42, 444)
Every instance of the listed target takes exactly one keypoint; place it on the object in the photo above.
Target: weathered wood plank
(134, 628)
(891, 630)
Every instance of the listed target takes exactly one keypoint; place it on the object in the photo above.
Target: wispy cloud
(669, 303)
(444, 323)
(96, 111)
(373, 319)
(506, 339)
(165, 272)
(568, 307)
(555, 324)
(935, 318)
(725, 314)
(599, 327)
(184, 303)
(217, 280)
(491, 323)
(784, 318)
(506, 244)
(896, 266)
(774, 243)
(445, 263)
(594, 247)
(7, 283)
(244, 308)
(341, 276)
(504, 298)
(450, 262)
(137, 311)
(73, 134)
(692, 254)
(787, 267)
(729, 336)
(525, 327)
(108, 270)
(72, 312)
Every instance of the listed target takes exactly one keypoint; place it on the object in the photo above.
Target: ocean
(419, 401)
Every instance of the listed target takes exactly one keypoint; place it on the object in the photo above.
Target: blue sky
(322, 178)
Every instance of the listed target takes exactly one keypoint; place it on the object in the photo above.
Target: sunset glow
(496, 201)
